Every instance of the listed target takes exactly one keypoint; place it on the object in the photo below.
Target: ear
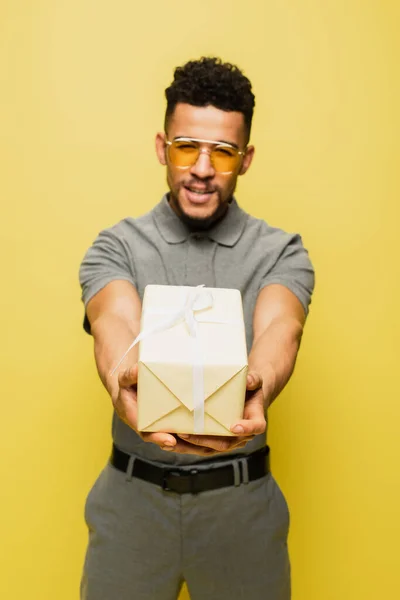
(160, 148)
(247, 160)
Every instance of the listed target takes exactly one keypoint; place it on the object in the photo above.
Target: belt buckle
(166, 473)
(189, 475)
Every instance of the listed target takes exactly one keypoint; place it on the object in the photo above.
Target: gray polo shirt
(239, 252)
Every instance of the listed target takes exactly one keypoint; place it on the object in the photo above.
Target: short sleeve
(294, 270)
(106, 260)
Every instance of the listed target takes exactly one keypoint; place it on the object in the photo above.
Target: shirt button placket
(199, 257)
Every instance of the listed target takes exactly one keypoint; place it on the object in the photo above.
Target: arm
(113, 311)
(114, 317)
(278, 321)
(278, 324)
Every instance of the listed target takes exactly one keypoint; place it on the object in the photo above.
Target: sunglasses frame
(205, 151)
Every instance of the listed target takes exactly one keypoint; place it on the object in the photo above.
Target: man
(201, 509)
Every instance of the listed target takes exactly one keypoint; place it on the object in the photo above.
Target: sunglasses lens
(225, 159)
(183, 154)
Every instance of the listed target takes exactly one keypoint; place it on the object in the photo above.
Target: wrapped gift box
(192, 360)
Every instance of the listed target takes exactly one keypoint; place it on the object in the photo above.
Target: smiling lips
(197, 196)
(199, 190)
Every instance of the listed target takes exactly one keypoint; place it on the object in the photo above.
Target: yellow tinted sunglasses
(184, 152)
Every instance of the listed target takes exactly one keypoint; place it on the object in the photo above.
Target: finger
(241, 441)
(254, 407)
(126, 407)
(242, 445)
(217, 443)
(221, 443)
(165, 441)
(128, 377)
(236, 443)
(182, 447)
(254, 380)
(254, 422)
(253, 427)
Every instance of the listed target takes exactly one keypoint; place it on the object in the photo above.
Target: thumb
(254, 381)
(128, 377)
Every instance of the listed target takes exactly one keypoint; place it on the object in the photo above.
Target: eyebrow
(186, 137)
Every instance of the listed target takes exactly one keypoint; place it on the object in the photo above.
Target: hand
(125, 405)
(126, 408)
(253, 423)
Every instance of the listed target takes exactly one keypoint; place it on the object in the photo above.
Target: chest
(197, 261)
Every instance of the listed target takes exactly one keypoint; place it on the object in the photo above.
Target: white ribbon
(197, 300)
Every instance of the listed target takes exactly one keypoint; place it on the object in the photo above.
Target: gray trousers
(144, 542)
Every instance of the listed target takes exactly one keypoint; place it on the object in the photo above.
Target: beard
(198, 223)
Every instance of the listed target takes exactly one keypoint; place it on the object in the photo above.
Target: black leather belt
(195, 480)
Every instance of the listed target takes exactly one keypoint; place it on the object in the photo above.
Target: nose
(203, 168)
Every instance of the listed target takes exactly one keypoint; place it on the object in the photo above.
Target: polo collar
(226, 232)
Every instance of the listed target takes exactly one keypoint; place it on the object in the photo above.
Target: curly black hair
(209, 81)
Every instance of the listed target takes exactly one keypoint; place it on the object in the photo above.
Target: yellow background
(81, 97)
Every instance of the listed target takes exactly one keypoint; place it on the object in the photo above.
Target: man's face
(199, 194)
